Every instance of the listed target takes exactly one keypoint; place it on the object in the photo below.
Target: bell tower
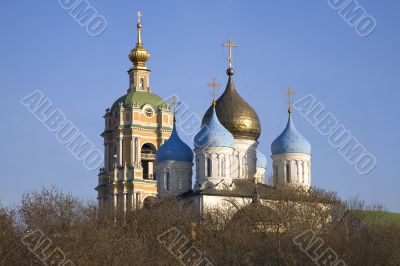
(136, 126)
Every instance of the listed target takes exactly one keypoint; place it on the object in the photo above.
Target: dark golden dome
(235, 113)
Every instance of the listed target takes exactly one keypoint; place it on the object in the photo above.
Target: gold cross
(174, 102)
(290, 93)
(214, 86)
(230, 44)
(139, 15)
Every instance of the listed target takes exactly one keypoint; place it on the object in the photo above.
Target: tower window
(288, 173)
(243, 168)
(275, 174)
(141, 84)
(127, 117)
(223, 167)
(167, 180)
(209, 167)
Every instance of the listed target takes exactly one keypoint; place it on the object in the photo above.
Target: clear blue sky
(301, 43)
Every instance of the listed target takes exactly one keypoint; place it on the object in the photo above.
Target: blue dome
(261, 159)
(291, 141)
(213, 134)
(174, 149)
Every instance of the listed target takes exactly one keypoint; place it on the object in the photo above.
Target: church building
(146, 158)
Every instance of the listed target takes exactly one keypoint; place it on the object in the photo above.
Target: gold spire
(290, 93)
(139, 27)
(139, 54)
(230, 44)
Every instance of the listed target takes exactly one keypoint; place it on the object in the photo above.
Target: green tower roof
(139, 98)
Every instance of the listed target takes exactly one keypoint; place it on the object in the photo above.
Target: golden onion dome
(235, 113)
(139, 54)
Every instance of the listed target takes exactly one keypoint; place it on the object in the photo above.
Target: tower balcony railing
(149, 176)
(148, 156)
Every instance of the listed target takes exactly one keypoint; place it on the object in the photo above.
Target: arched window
(147, 159)
(223, 167)
(298, 170)
(141, 84)
(288, 173)
(209, 167)
(243, 168)
(167, 180)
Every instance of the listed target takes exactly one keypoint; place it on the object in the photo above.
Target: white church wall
(244, 159)
(213, 167)
(173, 178)
(291, 169)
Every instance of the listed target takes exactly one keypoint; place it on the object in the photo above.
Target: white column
(151, 170)
(115, 200)
(132, 150)
(109, 156)
(121, 118)
(236, 166)
(124, 201)
(125, 173)
(301, 172)
(138, 151)
(228, 165)
(133, 200)
(240, 165)
(119, 148)
(138, 199)
(219, 165)
(106, 155)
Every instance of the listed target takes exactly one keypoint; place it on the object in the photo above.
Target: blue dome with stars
(291, 141)
(261, 159)
(213, 134)
(174, 149)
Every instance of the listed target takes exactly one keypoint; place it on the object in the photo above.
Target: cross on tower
(214, 86)
(230, 44)
(290, 93)
(174, 103)
(139, 15)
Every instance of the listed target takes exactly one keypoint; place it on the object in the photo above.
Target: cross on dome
(139, 15)
(174, 103)
(230, 44)
(290, 94)
(214, 86)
